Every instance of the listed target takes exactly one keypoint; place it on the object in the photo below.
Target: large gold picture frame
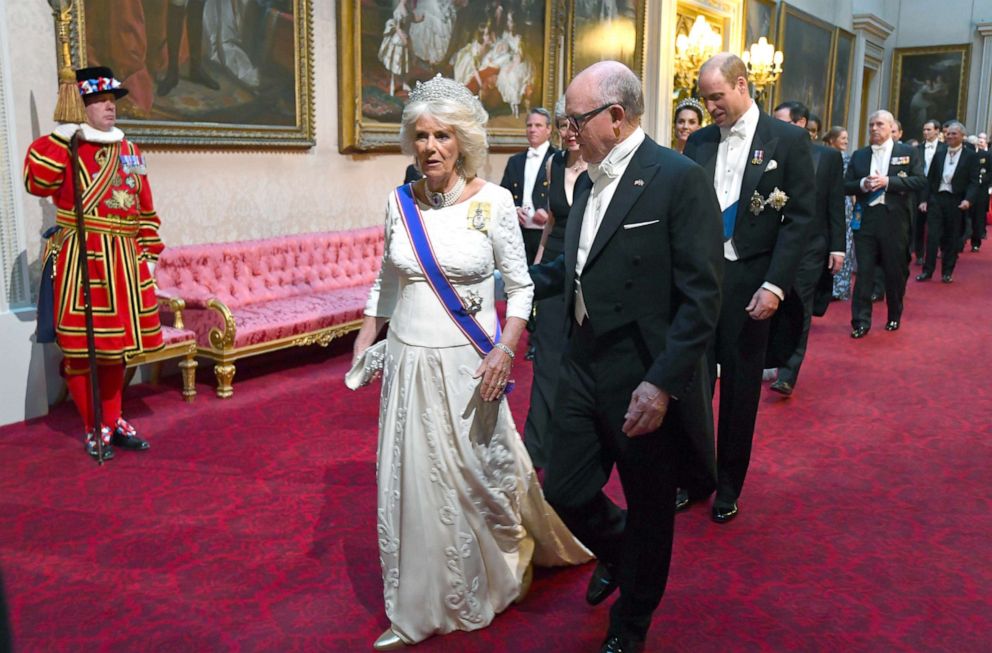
(506, 53)
(808, 45)
(247, 82)
(930, 83)
(597, 31)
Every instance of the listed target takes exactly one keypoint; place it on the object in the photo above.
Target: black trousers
(597, 378)
(881, 240)
(944, 224)
(978, 219)
(739, 348)
(811, 267)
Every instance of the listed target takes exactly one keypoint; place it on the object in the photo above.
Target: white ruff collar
(93, 135)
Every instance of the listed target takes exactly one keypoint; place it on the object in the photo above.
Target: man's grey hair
(541, 111)
(886, 115)
(955, 124)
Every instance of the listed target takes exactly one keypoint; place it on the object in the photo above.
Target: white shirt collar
(615, 162)
(954, 150)
(882, 147)
(540, 150)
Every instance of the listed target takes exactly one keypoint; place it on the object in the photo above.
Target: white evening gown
(460, 510)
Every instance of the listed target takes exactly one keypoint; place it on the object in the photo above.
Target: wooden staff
(84, 272)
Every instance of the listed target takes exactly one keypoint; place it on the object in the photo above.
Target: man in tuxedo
(951, 189)
(526, 178)
(641, 276)
(762, 171)
(981, 208)
(825, 246)
(930, 146)
(883, 177)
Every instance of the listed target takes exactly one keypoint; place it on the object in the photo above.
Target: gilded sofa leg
(225, 374)
(188, 368)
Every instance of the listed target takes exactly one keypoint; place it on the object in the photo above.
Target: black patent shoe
(947, 278)
(126, 437)
(784, 388)
(859, 332)
(723, 514)
(620, 644)
(94, 451)
(892, 325)
(682, 500)
(601, 585)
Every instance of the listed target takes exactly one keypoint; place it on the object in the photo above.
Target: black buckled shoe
(723, 514)
(620, 644)
(947, 278)
(601, 585)
(892, 325)
(782, 387)
(94, 451)
(860, 332)
(126, 437)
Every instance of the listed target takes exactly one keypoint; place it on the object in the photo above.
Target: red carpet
(865, 523)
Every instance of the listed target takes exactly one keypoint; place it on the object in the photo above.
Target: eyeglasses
(577, 122)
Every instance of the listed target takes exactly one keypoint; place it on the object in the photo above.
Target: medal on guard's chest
(478, 216)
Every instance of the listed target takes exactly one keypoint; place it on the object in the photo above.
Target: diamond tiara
(442, 88)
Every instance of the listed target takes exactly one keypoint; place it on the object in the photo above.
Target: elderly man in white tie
(883, 177)
(930, 146)
(526, 178)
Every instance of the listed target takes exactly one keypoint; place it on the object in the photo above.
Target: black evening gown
(549, 324)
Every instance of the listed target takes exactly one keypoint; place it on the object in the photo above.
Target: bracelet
(506, 350)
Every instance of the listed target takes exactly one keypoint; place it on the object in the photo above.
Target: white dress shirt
(929, 149)
(731, 161)
(535, 157)
(951, 159)
(880, 155)
(605, 177)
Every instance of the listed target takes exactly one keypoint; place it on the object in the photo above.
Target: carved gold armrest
(222, 339)
(176, 306)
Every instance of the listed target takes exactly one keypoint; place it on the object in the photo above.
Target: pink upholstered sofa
(250, 297)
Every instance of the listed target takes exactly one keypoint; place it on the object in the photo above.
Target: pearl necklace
(442, 200)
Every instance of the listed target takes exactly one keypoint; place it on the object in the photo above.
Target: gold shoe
(388, 641)
(525, 582)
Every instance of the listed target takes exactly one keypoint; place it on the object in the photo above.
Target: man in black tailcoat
(952, 187)
(641, 277)
(762, 171)
(526, 178)
(825, 246)
(883, 177)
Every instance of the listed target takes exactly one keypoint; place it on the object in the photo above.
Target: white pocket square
(635, 225)
(771, 165)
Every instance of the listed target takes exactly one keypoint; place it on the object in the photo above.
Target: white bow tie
(739, 130)
(599, 170)
(877, 148)
(532, 153)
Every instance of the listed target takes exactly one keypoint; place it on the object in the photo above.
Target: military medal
(758, 158)
(478, 216)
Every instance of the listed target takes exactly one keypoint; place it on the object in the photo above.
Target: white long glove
(67, 129)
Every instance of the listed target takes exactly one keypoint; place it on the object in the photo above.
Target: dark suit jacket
(513, 179)
(965, 182)
(829, 216)
(656, 262)
(779, 234)
(941, 147)
(984, 179)
(905, 176)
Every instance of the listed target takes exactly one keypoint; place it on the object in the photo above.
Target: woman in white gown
(460, 512)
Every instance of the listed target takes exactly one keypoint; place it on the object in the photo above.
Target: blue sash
(729, 220)
(436, 279)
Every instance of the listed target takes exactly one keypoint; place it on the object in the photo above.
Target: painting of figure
(930, 83)
(760, 21)
(806, 43)
(204, 71)
(495, 47)
(605, 29)
(840, 96)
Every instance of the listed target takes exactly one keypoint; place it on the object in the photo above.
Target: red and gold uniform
(121, 236)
